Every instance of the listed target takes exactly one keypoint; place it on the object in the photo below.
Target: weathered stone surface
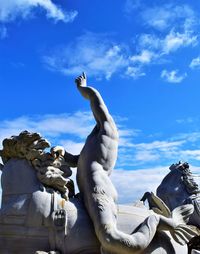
(181, 187)
(40, 212)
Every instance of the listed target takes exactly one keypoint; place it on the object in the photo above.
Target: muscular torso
(98, 157)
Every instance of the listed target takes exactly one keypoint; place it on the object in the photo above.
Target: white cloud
(162, 145)
(187, 120)
(132, 184)
(137, 154)
(71, 146)
(69, 130)
(12, 9)
(157, 17)
(134, 72)
(92, 53)
(126, 135)
(144, 57)
(165, 16)
(153, 151)
(173, 76)
(159, 46)
(78, 124)
(191, 154)
(172, 27)
(189, 137)
(175, 40)
(3, 32)
(195, 63)
(146, 156)
(131, 5)
(134, 154)
(102, 57)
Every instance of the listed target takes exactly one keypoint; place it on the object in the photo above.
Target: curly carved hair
(52, 172)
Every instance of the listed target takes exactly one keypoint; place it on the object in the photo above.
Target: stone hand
(81, 80)
(57, 151)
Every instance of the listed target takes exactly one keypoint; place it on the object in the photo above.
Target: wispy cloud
(136, 154)
(163, 17)
(153, 46)
(191, 154)
(144, 57)
(171, 28)
(173, 76)
(13, 9)
(103, 57)
(72, 146)
(126, 135)
(54, 127)
(187, 120)
(175, 40)
(3, 32)
(132, 184)
(195, 63)
(91, 52)
(161, 145)
(146, 156)
(131, 5)
(71, 130)
(134, 72)
(191, 137)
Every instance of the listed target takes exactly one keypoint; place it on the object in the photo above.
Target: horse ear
(172, 166)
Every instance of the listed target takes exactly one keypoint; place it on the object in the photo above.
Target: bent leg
(115, 241)
(103, 213)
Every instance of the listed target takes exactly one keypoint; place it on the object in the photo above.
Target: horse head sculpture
(179, 188)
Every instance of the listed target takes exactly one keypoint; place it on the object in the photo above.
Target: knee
(113, 241)
(106, 235)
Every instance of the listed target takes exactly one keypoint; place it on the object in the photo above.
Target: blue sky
(143, 57)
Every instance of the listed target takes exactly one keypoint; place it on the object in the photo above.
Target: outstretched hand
(81, 80)
(57, 151)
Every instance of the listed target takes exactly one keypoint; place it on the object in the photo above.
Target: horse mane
(51, 172)
(191, 186)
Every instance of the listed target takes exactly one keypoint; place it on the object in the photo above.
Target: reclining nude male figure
(94, 165)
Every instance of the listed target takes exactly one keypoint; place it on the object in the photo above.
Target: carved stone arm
(71, 160)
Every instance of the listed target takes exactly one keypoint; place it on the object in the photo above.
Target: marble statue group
(41, 213)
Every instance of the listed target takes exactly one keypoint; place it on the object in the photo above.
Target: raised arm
(98, 106)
